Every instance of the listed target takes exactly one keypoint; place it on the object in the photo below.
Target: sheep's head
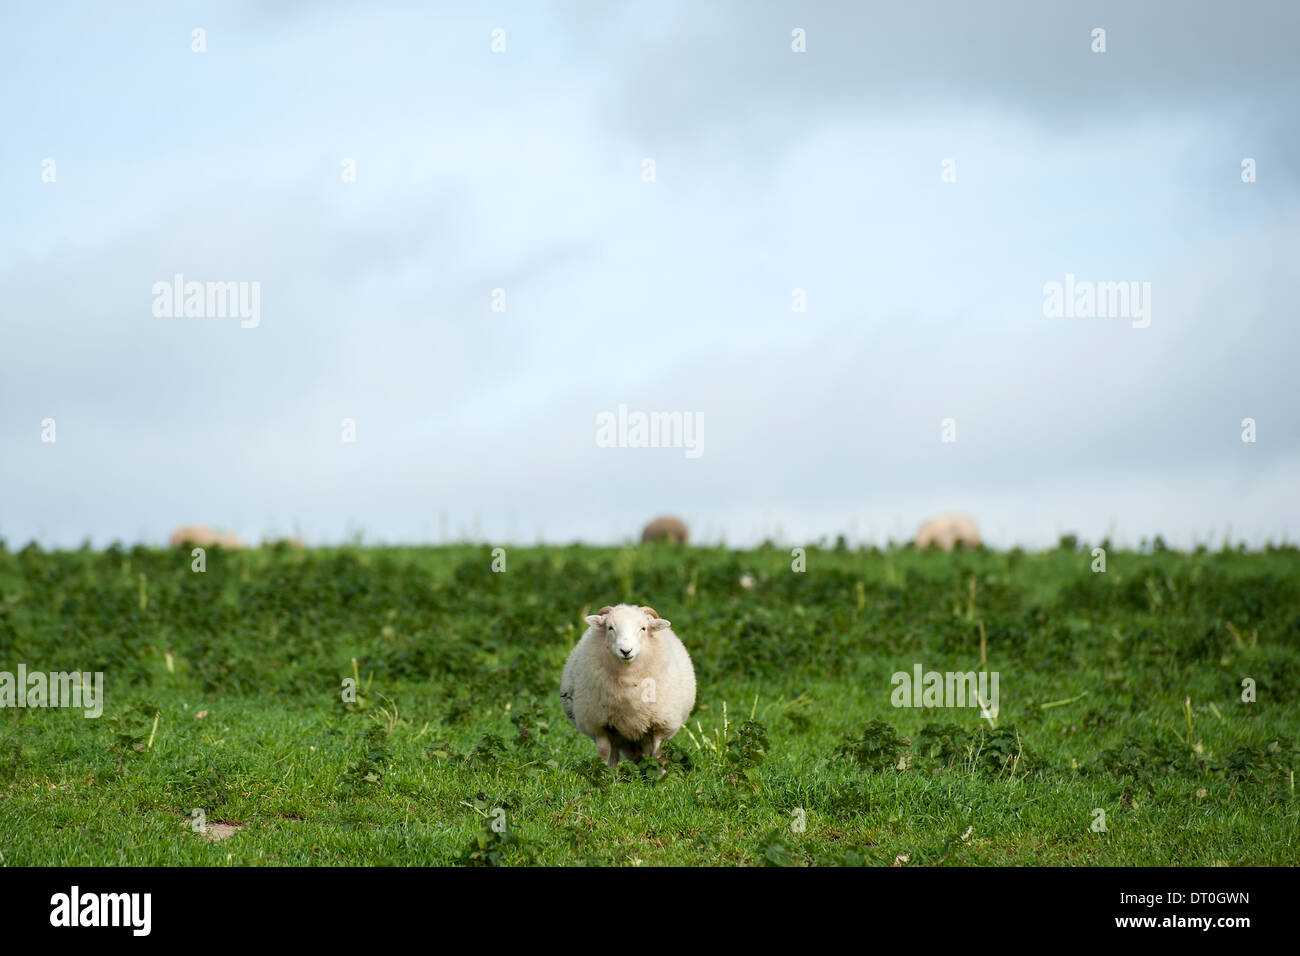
(627, 629)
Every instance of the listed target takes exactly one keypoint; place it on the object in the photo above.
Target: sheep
(628, 684)
(947, 530)
(665, 528)
(204, 537)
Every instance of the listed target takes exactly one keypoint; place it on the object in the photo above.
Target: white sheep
(628, 684)
(947, 530)
(204, 537)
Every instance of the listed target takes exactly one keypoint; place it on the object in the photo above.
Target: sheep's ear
(649, 610)
(658, 624)
(598, 619)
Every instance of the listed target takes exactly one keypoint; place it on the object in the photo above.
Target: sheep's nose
(626, 654)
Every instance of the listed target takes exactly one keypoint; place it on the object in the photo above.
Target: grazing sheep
(628, 684)
(197, 535)
(665, 528)
(947, 530)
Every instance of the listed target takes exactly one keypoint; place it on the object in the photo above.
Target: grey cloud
(728, 68)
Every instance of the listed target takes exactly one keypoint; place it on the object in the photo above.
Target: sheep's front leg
(606, 751)
(651, 748)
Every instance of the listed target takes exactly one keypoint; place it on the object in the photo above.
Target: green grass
(458, 712)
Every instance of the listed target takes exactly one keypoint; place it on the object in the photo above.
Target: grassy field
(1119, 691)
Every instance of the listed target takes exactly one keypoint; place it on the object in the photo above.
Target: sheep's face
(628, 630)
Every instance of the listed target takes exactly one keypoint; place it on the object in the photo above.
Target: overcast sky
(774, 170)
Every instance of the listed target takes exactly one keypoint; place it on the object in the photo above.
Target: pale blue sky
(522, 170)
